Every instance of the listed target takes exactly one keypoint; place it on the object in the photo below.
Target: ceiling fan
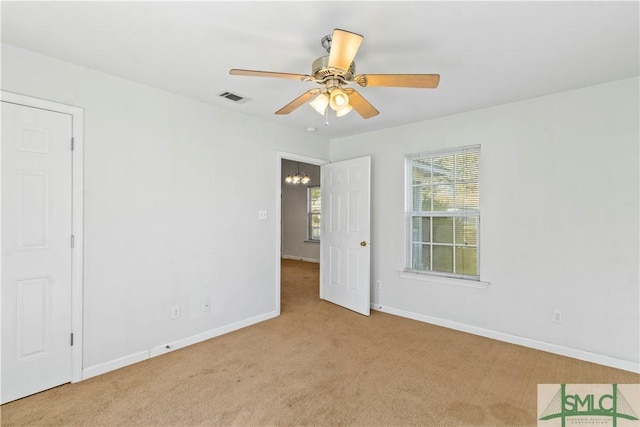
(335, 71)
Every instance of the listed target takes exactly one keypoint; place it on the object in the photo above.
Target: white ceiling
(487, 53)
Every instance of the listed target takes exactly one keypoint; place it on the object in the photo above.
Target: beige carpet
(319, 364)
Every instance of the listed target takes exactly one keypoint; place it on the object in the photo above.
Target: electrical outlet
(206, 304)
(175, 312)
(557, 316)
(379, 284)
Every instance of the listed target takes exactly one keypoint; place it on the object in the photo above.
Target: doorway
(295, 235)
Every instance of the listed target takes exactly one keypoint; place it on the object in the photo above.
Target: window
(443, 213)
(313, 211)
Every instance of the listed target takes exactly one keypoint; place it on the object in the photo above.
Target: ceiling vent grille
(235, 97)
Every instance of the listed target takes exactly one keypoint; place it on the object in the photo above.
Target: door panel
(33, 212)
(344, 261)
(33, 302)
(36, 250)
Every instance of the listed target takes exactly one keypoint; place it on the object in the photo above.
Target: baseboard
(212, 333)
(600, 359)
(297, 258)
(121, 362)
(112, 365)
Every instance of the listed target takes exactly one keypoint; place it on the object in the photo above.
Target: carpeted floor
(319, 364)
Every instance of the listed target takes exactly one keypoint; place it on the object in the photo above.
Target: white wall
(559, 220)
(165, 223)
(294, 213)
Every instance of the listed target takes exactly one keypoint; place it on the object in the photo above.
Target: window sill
(468, 283)
(312, 241)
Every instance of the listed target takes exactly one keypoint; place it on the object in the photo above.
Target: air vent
(235, 97)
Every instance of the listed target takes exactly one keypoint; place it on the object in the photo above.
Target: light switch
(262, 215)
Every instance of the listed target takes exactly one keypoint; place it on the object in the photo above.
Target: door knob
(363, 243)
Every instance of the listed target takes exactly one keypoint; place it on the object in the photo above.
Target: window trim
(437, 276)
(309, 213)
(426, 276)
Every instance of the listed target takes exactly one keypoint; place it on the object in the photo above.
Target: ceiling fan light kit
(338, 99)
(336, 70)
(344, 110)
(320, 103)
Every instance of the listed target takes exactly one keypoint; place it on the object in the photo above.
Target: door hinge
(73, 145)
(71, 339)
(73, 241)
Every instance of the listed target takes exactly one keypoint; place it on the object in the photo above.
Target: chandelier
(297, 177)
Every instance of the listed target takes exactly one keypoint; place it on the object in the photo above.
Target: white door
(36, 250)
(344, 242)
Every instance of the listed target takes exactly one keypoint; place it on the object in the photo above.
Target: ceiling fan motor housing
(320, 70)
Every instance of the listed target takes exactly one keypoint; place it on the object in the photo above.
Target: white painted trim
(574, 353)
(297, 158)
(112, 365)
(77, 260)
(121, 362)
(297, 258)
(468, 283)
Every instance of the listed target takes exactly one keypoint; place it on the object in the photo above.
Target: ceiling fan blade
(344, 46)
(253, 73)
(428, 81)
(298, 101)
(361, 105)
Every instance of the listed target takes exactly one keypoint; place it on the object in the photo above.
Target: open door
(344, 243)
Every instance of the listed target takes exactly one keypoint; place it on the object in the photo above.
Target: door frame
(282, 155)
(77, 215)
